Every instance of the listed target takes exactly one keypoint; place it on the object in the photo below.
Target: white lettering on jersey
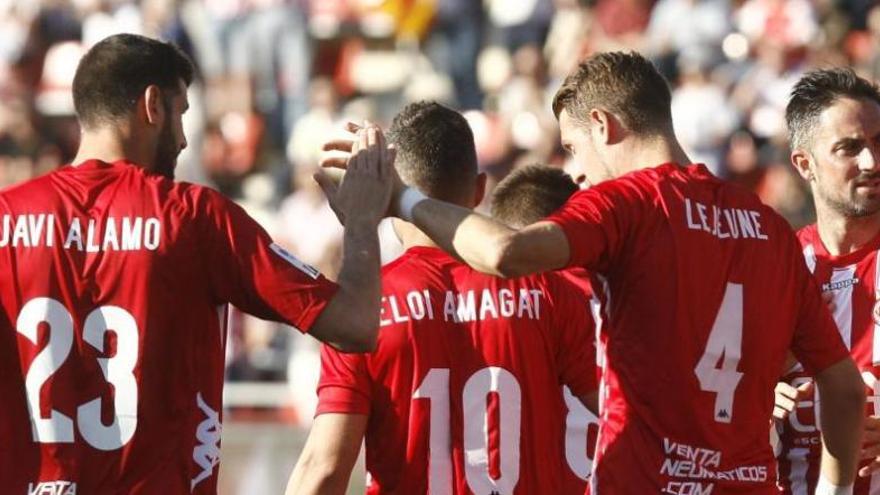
(723, 223)
(100, 234)
(207, 452)
(296, 262)
(59, 487)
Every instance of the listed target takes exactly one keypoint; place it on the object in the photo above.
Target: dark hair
(818, 90)
(435, 150)
(622, 83)
(114, 73)
(531, 193)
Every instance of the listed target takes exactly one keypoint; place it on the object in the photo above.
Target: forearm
(350, 321)
(477, 240)
(311, 477)
(842, 405)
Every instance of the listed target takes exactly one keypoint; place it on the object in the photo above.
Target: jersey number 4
(118, 370)
(724, 346)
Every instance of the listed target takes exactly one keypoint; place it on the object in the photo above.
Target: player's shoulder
(27, 189)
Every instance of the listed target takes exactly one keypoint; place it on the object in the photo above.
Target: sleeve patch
(293, 260)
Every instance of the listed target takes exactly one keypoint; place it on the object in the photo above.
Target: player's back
(115, 284)
(703, 289)
(463, 392)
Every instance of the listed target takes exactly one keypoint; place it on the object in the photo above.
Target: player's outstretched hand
(787, 397)
(365, 190)
(337, 150)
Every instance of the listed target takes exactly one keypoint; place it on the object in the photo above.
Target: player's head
(833, 122)
(531, 193)
(611, 98)
(436, 153)
(136, 85)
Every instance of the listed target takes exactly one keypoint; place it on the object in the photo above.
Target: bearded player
(463, 392)
(115, 283)
(834, 125)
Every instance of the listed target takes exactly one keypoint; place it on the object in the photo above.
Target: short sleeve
(345, 383)
(817, 343)
(576, 352)
(244, 267)
(595, 221)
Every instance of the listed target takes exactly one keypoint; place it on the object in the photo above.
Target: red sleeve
(595, 221)
(817, 343)
(576, 352)
(344, 386)
(245, 268)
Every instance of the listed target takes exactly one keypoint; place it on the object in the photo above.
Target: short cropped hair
(622, 83)
(818, 90)
(114, 73)
(435, 150)
(531, 193)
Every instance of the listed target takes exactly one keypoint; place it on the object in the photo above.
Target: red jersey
(112, 336)
(704, 290)
(581, 425)
(463, 391)
(849, 285)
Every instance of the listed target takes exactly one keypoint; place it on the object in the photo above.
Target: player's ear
(152, 104)
(480, 189)
(802, 161)
(607, 126)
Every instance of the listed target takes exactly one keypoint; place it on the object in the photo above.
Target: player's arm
(490, 246)
(350, 321)
(842, 411)
(325, 465)
(481, 242)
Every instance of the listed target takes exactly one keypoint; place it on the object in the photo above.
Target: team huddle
(718, 351)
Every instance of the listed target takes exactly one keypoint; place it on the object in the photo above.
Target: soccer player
(525, 196)
(703, 288)
(463, 392)
(115, 282)
(834, 125)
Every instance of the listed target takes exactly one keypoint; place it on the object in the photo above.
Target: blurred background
(276, 77)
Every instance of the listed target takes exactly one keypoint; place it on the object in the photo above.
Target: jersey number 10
(118, 370)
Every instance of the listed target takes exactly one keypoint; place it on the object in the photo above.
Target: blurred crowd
(276, 77)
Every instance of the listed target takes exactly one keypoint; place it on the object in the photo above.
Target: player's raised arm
(350, 321)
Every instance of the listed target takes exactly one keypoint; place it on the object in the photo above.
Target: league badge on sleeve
(293, 260)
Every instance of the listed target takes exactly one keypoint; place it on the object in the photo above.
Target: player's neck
(842, 235)
(410, 236)
(648, 153)
(109, 145)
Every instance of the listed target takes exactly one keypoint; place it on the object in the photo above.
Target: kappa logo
(58, 487)
(840, 284)
(207, 453)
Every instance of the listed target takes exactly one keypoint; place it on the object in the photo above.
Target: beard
(848, 203)
(166, 153)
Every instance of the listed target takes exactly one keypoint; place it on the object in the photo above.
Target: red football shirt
(463, 391)
(581, 425)
(849, 285)
(704, 290)
(112, 312)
